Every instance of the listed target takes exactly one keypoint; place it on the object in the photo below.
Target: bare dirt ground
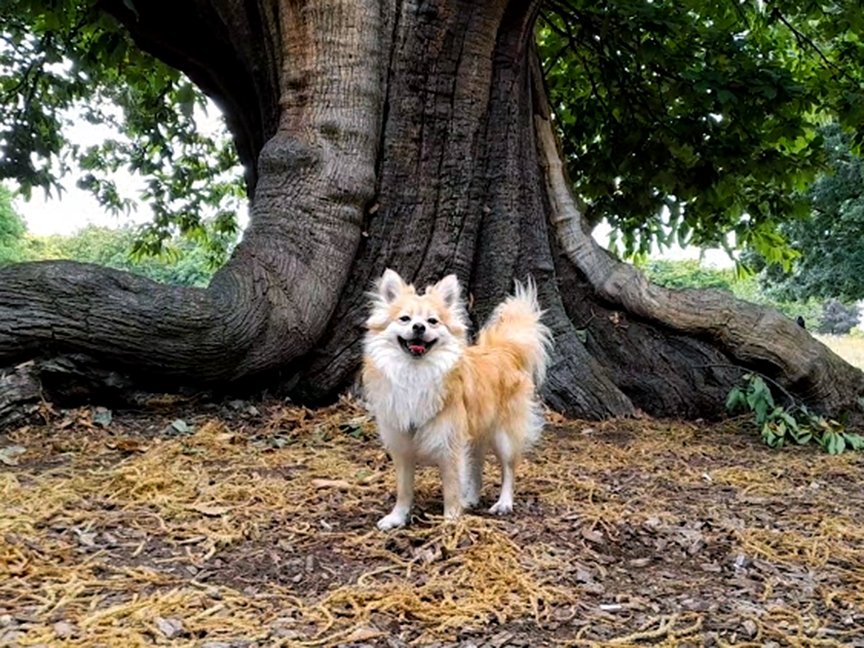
(244, 525)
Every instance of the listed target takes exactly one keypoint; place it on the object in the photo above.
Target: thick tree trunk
(406, 134)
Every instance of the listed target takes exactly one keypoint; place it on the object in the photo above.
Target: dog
(439, 401)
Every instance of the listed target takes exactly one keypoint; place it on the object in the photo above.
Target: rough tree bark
(410, 134)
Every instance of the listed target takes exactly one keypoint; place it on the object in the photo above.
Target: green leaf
(735, 399)
(834, 443)
(854, 441)
(180, 426)
(102, 416)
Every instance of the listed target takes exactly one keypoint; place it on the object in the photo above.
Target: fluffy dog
(438, 401)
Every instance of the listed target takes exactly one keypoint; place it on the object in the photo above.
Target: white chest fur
(409, 392)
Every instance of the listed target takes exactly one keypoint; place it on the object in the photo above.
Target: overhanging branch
(752, 334)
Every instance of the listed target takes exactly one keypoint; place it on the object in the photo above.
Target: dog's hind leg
(508, 455)
(472, 476)
(452, 471)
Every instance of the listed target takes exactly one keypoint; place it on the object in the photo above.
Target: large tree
(418, 136)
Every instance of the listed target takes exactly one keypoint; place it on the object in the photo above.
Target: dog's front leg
(404, 493)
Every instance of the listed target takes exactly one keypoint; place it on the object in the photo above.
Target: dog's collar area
(417, 347)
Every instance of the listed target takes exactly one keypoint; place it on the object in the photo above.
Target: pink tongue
(416, 348)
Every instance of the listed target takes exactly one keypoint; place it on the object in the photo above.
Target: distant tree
(12, 230)
(180, 262)
(837, 319)
(831, 261)
(688, 274)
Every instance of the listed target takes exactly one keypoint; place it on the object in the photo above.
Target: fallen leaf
(85, 538)
(128, 445)
(500, 639)
(102, 416)
(592, 536)
(169, 627)
(583, 575)
(63, 629)
(9, 455)
(640, 562)
(362, 633)
(180, 426)
(340, 484)
(212, 510)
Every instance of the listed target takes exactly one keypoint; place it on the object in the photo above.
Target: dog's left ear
(390, 285)
(449, 290)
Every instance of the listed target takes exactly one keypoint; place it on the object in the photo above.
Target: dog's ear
(449, 290)
(390, 286)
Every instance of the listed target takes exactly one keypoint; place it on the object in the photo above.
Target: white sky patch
(77, 208)
(711, 257)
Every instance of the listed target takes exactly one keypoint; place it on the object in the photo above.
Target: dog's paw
(452, 515)
(392, 521)
(501, 508)
(470, 502)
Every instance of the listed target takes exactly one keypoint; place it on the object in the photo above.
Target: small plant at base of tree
(795, 424)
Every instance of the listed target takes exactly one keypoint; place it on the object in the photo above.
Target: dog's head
(417, 324)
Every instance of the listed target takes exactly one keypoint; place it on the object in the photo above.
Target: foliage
(795, 424)
(67, 57)
(837, 319)
(831, 261)
(181, 262)
(688, 274)
(12, 230)
(687, 121)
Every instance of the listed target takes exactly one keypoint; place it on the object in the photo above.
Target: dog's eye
(405, 318)
(432, 321)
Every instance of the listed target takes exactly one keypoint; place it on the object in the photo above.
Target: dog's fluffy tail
(515, 325)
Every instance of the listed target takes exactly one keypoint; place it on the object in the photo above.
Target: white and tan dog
(440, 402)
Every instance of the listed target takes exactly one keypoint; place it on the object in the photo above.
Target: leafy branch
(780, 425)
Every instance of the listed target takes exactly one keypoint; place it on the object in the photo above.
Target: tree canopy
(681, 122)
(688, 121)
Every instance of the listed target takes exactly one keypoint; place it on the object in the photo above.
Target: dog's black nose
(419, 328)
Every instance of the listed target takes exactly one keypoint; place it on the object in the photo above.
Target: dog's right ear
(390, 286)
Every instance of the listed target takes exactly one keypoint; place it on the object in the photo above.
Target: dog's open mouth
(416, 347)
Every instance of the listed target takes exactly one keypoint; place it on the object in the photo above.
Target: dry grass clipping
(261, 528)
